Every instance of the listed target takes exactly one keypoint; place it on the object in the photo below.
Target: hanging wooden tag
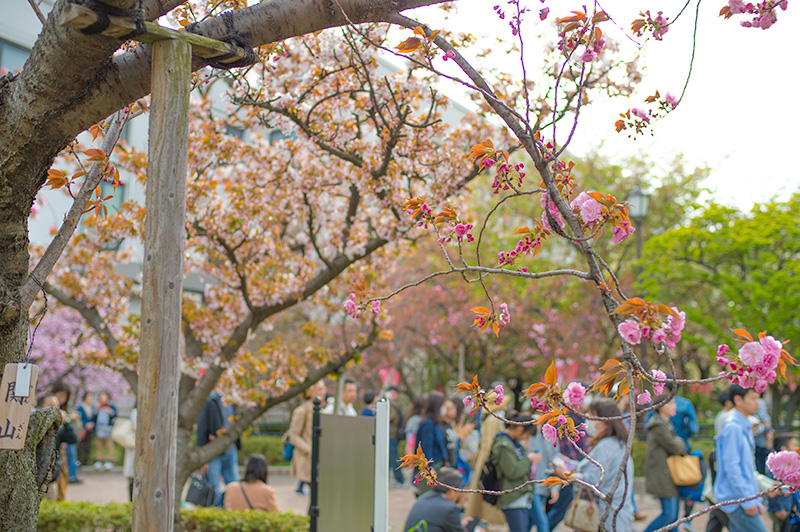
(15, 407)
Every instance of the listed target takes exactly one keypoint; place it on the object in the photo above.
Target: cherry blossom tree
(579, 215)
(305, 200)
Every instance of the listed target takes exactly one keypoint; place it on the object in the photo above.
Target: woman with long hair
(609, 438)
(661, 443)
(252, 492)
(412, 422)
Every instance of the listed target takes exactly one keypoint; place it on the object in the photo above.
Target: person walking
(736, 466)
(661, 443)
(103, 423)
(215, 418)
(412, 424)
(300, 432)
(514, 466)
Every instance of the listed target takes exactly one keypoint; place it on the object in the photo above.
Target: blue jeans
(225, 466)
(517, 519)
(669, 514)
(559, 509)
(394, 460)
(741, 522)
(537, 515)
(72, 461)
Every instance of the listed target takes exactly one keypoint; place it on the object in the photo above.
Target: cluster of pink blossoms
(756, 364)
(353, 310)
(551, 433)
(764, 12)
(588, 208)
(548, 205)
(669, 332)
(645, 398)
(425, 215)
(526, 246)
(469, 401)
(659, 25)
(785, 466)
(459, 231)
(505, 176)
(586, 34)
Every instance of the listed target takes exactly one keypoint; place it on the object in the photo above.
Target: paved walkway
(109, 486)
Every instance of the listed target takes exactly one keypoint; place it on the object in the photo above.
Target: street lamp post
(637, 210)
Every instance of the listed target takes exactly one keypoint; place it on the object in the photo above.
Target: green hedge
(116, 517)
(269, 446)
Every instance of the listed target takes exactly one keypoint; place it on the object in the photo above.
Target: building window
(12, 57)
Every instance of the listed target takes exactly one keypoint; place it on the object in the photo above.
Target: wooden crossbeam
(79, 17)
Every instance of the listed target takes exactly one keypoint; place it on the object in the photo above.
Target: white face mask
(592, 429)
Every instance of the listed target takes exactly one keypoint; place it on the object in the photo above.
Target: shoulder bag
(685, 469)
(582, 513)
(123, 433)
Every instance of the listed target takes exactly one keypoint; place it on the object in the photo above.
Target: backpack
(288, 448)
(491, 480)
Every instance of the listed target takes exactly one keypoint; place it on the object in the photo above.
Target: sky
(740, 112)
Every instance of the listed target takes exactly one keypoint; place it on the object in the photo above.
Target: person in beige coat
(300, 436)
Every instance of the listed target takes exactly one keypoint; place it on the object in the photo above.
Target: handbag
(582, 513)
(685, 470)
(201, 492)
(123, 433)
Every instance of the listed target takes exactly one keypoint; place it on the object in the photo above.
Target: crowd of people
(518, 452)
(83, 426)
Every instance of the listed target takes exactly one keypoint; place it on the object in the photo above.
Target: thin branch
(38, 12)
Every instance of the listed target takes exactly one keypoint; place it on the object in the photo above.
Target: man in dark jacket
(215, 418)
(437, 510)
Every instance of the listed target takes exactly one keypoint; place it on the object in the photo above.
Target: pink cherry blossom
(659, 336)
(785, 466)
(621, 232)
(376, 307)
(449, 54)
(771, 345)
(591, 211)
(752, 353)
(644, 398)
(574, 394)
(350, 307)
(588, 56)
(640, 114)
(543, 13)
(671, 100)
(629, 329)
(550, 433)
(722, 349)
(469, 402)
(658, 387)
(499, 391)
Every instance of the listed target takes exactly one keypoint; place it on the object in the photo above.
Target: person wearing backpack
(514, 466)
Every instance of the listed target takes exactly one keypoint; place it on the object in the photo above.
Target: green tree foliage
(730, 268)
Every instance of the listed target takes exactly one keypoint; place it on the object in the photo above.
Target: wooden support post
(159, 355)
